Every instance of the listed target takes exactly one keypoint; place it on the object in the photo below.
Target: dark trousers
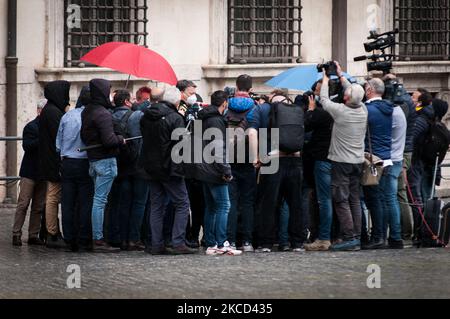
(121, 199)
(415, 179)
(195, 192)
(287, 184)
(345, 187)
(175, 190)
(242, 191)
(129, 197)
(76, 200)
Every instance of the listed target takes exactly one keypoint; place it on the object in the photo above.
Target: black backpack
(436, 143)
(128, 152)
(239, 123)
(289, 119)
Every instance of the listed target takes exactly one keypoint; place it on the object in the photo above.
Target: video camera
(382, 42)
(330, 68)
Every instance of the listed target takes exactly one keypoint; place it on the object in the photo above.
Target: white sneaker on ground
(211, 251)
(262, 250)
(228, 250)
(248, 248)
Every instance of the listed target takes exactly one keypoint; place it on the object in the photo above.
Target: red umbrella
(132, 59)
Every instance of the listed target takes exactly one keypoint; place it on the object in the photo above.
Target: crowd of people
(110, 163)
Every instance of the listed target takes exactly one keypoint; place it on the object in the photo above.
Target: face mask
(191, 100)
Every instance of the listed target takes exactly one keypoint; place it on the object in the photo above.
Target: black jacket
(57, 94)
(411, 116)
(97, 124)
(30, 144)
(421, 126)
(211, 173)
(320, 123)
(157, 125)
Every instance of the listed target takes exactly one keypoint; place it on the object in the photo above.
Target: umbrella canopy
(299, 78)
(132, 59)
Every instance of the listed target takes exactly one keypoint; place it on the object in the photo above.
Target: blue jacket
(380, 125)
(241, 104)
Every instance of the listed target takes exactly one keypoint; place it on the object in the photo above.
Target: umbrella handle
(128, 80)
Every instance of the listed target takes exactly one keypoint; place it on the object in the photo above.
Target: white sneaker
(248, 248)
(211, 251)
(261, 250)
(227, 249)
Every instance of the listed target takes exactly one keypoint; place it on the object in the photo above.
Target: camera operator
(347, 156)
(396, 93)
(320, 123)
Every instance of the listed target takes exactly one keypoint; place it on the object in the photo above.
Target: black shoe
(159, 251)
(55, 241)
(123, 246)
(395, 244)
(73, 247)
(193, 244)
(35, 242)
(182, 250)
(135, 246)
(284, 248)
(115, 245)
(85, 247)
(100, 246)
(16, 241)
(374, 244)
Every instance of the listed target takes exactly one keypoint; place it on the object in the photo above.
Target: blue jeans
(242, 197)
(322, 176)
(374, 202)
(217, 206)
(391, 206)
(141, 189)
(103, 172)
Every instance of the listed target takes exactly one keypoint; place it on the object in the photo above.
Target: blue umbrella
(299, 78)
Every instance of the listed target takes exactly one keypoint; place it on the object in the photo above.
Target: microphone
(360, 58)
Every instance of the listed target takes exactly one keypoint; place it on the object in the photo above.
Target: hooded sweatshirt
(57, 94)
(157, 125)
(380, 126)
(97, 124)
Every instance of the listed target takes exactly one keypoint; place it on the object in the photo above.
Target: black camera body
(394, 91)
(382, 42)
(384, 66)
(330, 68)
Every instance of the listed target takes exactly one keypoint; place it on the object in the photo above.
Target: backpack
(239, 123)
(128, 153)
(289, 119)
(436, 143)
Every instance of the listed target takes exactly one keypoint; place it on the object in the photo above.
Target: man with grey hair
(166, 177)
(347, 156)
(32, 189)
(382, 198)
